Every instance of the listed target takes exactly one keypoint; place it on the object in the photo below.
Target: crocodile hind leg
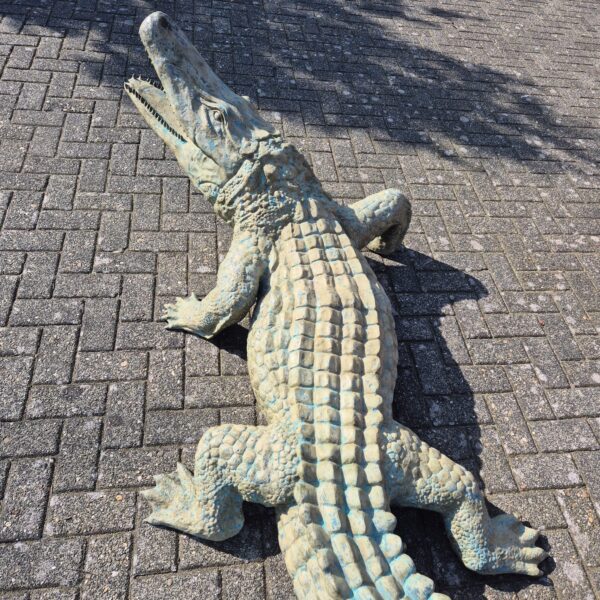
(237, 286)
(232, 463)
(379, 221)
(422, 477)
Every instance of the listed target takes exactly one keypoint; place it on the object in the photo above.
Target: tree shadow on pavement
(332, 65)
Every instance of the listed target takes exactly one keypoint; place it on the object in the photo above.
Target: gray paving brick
(66, 400)
(29, 438)
(495, 470)
(529, 392)
(106, 567)
(202, 253)
(193, 554)
(30, 241)
(486, 379)
(85, 513)
(201, 357)
(99, 324)
(569, 577)
(54, 359)
(11, 263)
(23, 508)
(583, 523)
(15, 374)
(75, 285)
(114, 231)
(64, 311)
(38, 275)
(78, 252)
(75, 127)
(276, 583)
(59, 192)
(155, 549)
(166, 427)
(588, 463)
(61, 557)
(172, 274)
(512, 427)
(583, 373)
(17, 342)
(92, 175)
(127, 262)
(147, 335)
(547, 368)
(110, 366)
(578, 402)
(9, 286)
(502, 351)
(165, 379)
(137, 298)
(514, 325)
(124, 415)
(205, 392)
(243, 583)
(23, 210)
(195, 586)
(544, 471)
(563, 435)
(76, 464)
(134, 467)
(539, 507)
(157, 241)
(146, 212)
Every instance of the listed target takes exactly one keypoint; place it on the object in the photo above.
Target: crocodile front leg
(422, 477)
(237, 285)
(379, 221)
(233, 463)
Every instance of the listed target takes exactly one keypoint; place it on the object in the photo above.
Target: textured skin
(322, 357)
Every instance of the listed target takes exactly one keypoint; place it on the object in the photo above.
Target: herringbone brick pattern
(485, 112)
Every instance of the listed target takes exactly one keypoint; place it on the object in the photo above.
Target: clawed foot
(510, 548)
(391, 241)
(181, 502)
(173, 501)
(184, 314)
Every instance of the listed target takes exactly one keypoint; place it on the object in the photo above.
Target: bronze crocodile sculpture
(322, 357)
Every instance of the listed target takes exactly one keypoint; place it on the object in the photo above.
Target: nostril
(162, 22)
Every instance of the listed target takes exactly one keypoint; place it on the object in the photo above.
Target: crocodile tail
(309, 557)
(414, 585)
(316, 571)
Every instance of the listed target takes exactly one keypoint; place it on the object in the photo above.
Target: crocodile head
(209, 128)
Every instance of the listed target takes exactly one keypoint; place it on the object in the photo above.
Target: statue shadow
(435, 399)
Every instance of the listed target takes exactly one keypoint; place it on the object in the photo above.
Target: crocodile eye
(217, 116)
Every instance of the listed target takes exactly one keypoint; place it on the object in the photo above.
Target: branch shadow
(328, 66)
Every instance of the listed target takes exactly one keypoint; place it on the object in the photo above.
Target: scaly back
(323, 338)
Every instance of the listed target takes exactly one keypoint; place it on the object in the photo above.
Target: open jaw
(154, 106)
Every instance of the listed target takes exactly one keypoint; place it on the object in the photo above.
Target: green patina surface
(322, 357)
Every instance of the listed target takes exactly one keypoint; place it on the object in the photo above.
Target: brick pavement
(484, 111)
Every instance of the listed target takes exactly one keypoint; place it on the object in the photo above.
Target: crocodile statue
(322, 358)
